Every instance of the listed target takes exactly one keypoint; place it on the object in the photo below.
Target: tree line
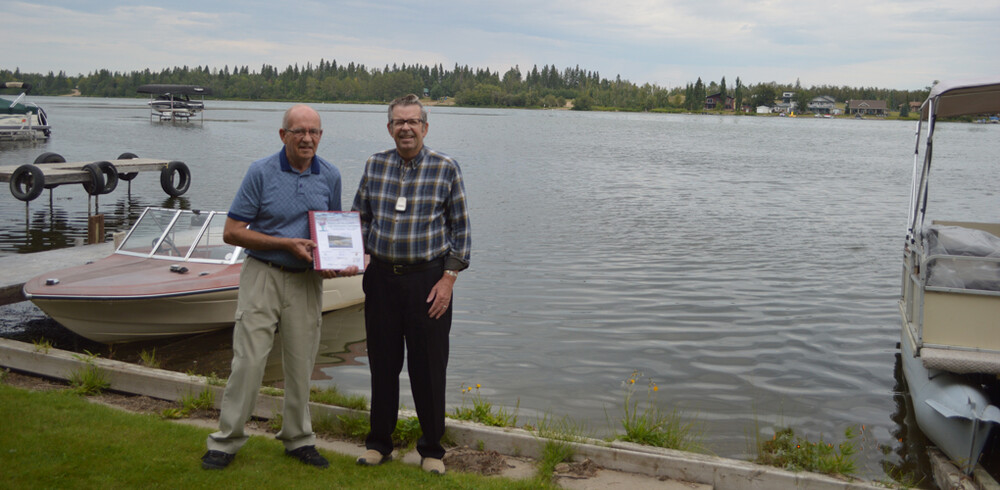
(548, 87)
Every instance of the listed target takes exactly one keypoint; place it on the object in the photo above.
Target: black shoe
(216, 460)
(309, 455)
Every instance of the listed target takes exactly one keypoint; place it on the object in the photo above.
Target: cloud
(670, 43)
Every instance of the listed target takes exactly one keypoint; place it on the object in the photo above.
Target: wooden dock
(98, 177)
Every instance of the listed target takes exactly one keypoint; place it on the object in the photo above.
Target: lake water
(749, 266)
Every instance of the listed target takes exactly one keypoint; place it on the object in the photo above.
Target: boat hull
(950, 409)
(128, 319)
(124, 319)
(176, 108)
(23, 127)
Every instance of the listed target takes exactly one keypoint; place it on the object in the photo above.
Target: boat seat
(950, 248)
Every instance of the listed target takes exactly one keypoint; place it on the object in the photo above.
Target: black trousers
(396, 317)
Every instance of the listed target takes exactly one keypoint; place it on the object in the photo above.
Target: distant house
(785, 107)
(763, 109)
(867, 108)
(713, 101)
(824, 104)
(786, 104)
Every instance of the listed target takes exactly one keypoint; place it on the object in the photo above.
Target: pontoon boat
(950, 302)
(20, 120)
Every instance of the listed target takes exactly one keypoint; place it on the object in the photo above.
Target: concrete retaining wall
(721, 473)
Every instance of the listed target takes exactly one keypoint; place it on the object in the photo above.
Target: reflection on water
(43, 227)
(341, 342)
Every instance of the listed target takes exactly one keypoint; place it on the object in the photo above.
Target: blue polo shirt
(276, 199)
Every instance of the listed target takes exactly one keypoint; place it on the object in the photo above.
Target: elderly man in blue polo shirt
(279, 289)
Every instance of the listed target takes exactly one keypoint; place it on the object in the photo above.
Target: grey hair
(410, 99)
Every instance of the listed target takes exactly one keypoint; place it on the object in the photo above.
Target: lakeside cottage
(867, 108)
(823, 104)
(713, 101)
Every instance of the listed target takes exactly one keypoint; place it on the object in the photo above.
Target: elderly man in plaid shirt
(416, 226)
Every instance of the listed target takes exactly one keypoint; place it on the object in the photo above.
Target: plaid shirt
(435, 222)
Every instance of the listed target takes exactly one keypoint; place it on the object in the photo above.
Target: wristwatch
(452, 273)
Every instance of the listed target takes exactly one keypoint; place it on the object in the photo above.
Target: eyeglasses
(299, 132)
(412, 122)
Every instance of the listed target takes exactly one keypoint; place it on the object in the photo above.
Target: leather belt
(283, 268)
(403, 269)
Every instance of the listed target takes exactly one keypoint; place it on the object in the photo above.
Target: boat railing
(951, 303)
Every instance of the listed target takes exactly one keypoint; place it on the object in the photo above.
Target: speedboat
(950, 301)
(174, 101)
(176, 106)
(20, 120)
(171, 275)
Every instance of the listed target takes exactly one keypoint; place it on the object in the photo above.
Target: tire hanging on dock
(183, 178)
(27, 182)
(108, 181)
(110, 176)
(50, 157)
(128, 176)
(95, 186)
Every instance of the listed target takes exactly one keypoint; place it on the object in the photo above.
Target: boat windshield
(181, 235)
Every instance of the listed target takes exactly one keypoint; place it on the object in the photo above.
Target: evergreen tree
(802, 98)
(738, 96)
(698, 99)
(329, 81)
(723, 95)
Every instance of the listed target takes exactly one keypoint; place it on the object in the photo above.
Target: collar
(287, 167)
(413, 162)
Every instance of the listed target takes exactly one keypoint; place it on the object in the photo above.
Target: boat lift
(171, 102)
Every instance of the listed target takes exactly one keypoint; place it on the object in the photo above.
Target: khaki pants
(272, 300)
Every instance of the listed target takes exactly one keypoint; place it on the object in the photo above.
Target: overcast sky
(900, 44)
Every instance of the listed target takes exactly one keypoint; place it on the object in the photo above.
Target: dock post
(95, 229)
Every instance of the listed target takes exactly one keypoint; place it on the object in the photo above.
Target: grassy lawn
(57, 439)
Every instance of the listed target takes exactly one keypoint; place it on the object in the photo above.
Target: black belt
(403, 269)
(280, 267)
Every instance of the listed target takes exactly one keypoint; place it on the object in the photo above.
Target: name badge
(401, 204)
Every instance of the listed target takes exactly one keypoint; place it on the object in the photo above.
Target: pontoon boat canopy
(161, 88)
(25, 87)
(961, 97)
